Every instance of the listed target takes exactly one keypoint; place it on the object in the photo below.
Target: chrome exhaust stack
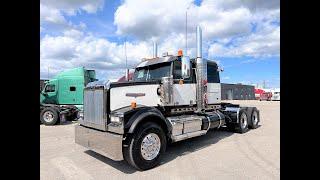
(155, 50)
(201, 73)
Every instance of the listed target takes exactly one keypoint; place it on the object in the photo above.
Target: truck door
(183, 93)
(49, 93)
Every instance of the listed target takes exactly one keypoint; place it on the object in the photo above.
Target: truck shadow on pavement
(67, 122)
(173, 151)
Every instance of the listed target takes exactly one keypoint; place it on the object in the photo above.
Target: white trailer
(275, 94)
(171, 98)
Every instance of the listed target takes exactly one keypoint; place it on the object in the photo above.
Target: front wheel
(49, 116)
(145, 146)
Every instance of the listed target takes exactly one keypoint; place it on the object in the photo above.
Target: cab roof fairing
(159, 60)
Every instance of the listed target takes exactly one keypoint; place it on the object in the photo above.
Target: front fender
(141, 115)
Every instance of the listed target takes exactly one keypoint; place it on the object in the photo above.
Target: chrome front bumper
(104, 143)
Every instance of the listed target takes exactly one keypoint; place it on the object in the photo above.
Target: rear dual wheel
(242, 125)
(254, 118)
(248, 118)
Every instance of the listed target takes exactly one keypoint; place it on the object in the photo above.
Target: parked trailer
(275, 95)
(266, 96)
(62, 96)
(171, 98)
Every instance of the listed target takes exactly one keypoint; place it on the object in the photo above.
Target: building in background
(237, 92)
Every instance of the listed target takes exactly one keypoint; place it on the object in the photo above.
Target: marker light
(133, 104)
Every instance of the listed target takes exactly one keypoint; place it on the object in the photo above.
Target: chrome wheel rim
(150, 146)
(244, 120)
(254, 117)
(48, 116)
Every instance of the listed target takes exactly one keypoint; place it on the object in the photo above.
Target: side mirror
(220, 69)
(185, 67)
(44, 93)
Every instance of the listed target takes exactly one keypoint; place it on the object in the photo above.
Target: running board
(188, 135)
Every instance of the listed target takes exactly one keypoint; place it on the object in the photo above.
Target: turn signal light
(133, 104)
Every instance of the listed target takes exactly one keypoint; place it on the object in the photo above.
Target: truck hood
(94, 84)
(108, 84)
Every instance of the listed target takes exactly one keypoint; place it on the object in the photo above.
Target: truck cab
(64, 93)
(184, 88)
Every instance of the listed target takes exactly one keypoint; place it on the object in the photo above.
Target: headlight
(116, 119)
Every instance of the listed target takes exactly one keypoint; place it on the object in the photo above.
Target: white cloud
(159, 18)
(51, 15)
(73, 33)
(262, 44)
(75, 48)
(251, 4)
(61, 47)
(53, 12)
(73, 6)
(223, 22)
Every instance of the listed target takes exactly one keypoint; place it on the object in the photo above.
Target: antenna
(186, 32)
(48, 72)
(187, 29)
(125, 52)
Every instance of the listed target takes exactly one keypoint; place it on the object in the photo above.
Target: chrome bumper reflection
(104, 143)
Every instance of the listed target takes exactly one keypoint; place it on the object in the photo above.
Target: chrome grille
(94, 108)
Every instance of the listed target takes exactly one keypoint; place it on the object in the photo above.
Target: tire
(134, 153)
(49, 116)
(242, 126)
(254, 118)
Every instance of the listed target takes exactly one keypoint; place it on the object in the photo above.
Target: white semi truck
(170, 98)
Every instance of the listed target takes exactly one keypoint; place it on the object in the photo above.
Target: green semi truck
(62, 96)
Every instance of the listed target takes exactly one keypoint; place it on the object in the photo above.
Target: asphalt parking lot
(216, 155)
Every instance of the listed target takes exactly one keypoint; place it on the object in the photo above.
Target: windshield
(154, 72)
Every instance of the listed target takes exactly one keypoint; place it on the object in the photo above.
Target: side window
(213, 74)
(50, 88)
(72, 88)
(177, 70)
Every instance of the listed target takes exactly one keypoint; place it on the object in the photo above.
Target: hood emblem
(135, 94)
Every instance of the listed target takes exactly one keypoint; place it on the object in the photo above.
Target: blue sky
(242, 36)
